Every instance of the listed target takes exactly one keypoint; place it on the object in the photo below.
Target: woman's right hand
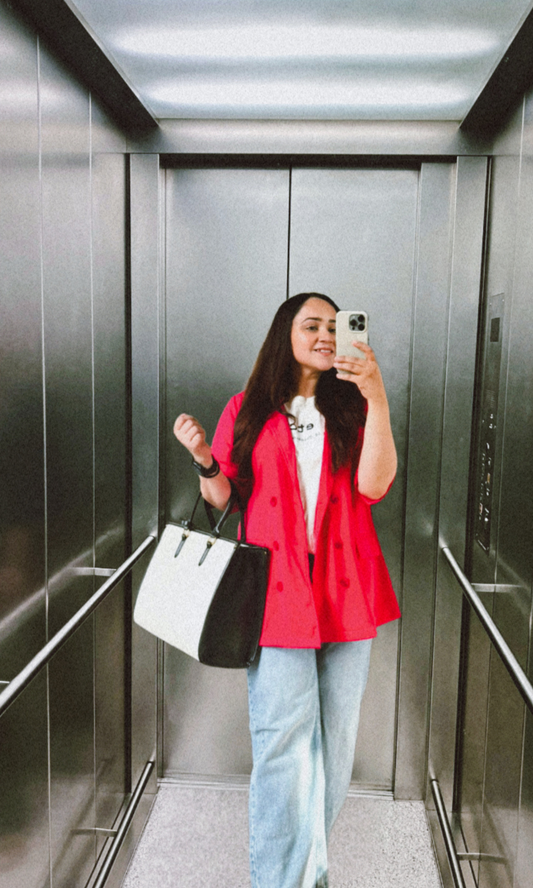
(190, 433)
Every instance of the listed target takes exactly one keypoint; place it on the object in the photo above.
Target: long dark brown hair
(274, 381)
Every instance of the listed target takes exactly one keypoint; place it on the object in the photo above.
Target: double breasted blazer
(351, 592)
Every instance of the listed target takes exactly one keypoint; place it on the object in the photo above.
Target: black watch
(211, 472)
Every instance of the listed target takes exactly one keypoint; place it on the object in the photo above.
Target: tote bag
(204, 593)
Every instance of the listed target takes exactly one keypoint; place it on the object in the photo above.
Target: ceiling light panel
(322, 59)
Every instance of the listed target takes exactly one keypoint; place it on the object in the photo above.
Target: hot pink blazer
(351, 593)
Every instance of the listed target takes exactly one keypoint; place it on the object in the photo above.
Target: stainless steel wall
(495, 798)
(487, 785)
(63, 746)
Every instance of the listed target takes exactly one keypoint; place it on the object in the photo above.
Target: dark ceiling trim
(282, 161)
(70, 41)
(504, 89)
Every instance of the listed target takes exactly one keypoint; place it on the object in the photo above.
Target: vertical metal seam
(160, 389)
(520, 819)
(93, 427)
(289, 212)
(128, 586)
(45, 447)
(452, 234)
(452, 228)
(416, 287)
(414, 297)
(162, 466)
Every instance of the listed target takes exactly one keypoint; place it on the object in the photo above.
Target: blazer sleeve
(223, 438)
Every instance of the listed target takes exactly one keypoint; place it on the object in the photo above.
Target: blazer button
(338, 544)
(274, 501)
(334, 499)
(275, 545)
(345, 582)
(279, 587)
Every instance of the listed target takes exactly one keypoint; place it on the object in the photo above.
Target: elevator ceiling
(305, 59)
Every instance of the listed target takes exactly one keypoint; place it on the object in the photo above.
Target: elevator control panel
(488, 420)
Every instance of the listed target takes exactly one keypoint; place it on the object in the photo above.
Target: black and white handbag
(204, 593)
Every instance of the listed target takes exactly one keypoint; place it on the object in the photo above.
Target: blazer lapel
(278, 427)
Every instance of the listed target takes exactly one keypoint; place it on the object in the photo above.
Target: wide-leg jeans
(304, 713)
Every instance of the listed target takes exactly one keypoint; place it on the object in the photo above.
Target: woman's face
(313, 336)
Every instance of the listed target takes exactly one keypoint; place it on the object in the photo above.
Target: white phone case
(352, 326)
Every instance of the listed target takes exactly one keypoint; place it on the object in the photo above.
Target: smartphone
(352, 326)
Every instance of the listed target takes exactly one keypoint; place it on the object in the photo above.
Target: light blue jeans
(304, 713)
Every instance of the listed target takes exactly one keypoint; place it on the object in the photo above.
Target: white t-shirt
(307, 429)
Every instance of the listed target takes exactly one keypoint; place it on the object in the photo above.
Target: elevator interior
(129, 250)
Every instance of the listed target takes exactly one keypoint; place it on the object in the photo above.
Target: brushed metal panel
(424, 442)
(22, 513)
(501, 239)
(205, 720)
(515, 531)
(505, 732)
(475, 693)
(106, 137)
(508, 141)
(66, 215)
(353, 235)
(109, 321)
(110, 709)
(469, 212)
(516, 501)
(72, 786)
(108, 235)
(24, 812)
(524, 862)
(145, 397)
(493, 752)
(18, 91)
(145, 324)
(527, 125)
(226, 271)
(67, 318)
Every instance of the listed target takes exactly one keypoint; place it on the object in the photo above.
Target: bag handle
(216, 528)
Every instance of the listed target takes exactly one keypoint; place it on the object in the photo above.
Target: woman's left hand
(364, 372)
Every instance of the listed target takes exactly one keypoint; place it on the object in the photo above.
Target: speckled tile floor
(197, 836)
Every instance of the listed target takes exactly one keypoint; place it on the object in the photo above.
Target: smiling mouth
(324, 351)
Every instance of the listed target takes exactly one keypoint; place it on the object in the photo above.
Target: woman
(309, 447)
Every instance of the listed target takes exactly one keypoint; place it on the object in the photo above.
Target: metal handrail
(451, 850)
(26, 675)
(120, 835)
(509, 660)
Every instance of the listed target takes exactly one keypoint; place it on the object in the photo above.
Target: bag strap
(216, 528)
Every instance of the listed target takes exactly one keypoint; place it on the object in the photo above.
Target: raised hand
(364, 372)
(191, 434)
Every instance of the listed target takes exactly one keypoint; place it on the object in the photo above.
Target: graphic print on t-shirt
(307, 427)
